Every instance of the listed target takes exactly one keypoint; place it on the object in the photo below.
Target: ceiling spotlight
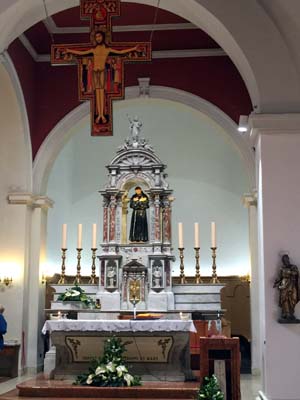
(243, 123)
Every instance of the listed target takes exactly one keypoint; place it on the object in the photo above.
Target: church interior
(149, 199)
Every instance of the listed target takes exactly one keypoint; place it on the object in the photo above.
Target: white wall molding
(61, 132)
(54, 29)
(270, 92)
(264, 124)
(30, 200)
(187, 53)
(52, 145)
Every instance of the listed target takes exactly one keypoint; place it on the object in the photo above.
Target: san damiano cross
(100, 62)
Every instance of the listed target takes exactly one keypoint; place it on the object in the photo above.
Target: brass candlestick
(214, 277)
(197, 267)
(93, 276)
(78, 276)
(63, 267)
(181, 256)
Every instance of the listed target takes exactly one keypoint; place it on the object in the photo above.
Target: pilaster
(34, 291)
(250, 202)
(277, 143)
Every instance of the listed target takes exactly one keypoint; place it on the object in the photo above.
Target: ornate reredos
(136, 162)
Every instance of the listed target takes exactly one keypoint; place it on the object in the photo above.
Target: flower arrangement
(110, 369)
(210, 389)
(76, 293)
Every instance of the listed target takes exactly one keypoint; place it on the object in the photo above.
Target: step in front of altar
(194, 297)
(65, 389)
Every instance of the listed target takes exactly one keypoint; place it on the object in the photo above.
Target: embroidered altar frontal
(156, 350)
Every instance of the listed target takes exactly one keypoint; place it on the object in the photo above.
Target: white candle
(180, 235)
(79, 236)
(64, 237)
(94, 236)
(196, 230)
(213, 235)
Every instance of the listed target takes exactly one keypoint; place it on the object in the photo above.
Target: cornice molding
(57, 30)
(62, 131)
(30, 200)
(186, 53)
(270, 124)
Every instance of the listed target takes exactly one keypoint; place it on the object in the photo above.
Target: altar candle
(79, 236)
(213, 235)
(94, 236)
(64, 237)
(180, 235)
(196, 230)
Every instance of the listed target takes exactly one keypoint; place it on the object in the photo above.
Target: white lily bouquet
(110, 369)
(76, 293)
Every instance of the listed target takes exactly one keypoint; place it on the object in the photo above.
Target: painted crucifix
(100, 62)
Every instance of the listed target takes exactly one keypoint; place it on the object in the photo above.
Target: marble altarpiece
(136, 272)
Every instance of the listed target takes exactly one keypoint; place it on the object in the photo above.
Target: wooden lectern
(221, 356)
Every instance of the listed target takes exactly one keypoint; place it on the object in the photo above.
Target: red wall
(51, 92)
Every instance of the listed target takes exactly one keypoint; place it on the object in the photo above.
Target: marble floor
(250, 385)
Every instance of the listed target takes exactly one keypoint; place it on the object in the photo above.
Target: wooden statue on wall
(288, 286)
(100, 62)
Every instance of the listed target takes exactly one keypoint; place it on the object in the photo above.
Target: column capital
(29, 200)
(250, 199)
(263, 124)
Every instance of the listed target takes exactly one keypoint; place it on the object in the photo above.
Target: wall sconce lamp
(243, 124)
(44, 279)
(6, 281)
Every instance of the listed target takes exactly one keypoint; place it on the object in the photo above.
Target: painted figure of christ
(100, 54)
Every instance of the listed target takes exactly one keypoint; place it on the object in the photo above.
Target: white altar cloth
(166, 325)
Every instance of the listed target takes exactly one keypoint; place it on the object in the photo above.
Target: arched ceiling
(245, 30)
(184, 57)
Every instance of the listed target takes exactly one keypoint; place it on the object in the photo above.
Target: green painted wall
(205, 171)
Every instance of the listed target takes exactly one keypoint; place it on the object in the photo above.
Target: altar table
(156, 349)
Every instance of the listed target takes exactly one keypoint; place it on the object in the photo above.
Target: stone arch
(61, 132)
(276, 92)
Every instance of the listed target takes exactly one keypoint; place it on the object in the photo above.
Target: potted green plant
(210, 389)
(76, 294)
(110, 369)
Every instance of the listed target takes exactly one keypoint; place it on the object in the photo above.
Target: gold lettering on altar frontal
(100, 62)
(140, 349)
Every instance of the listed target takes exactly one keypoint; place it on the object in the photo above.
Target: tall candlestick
(64, 237)
(93, 276)
(181, 267)
(180, 235)
(78, 275)
(214, 277)
(79, 236)
(197, 275)
(94, 236)
(213, 235)
(196, 231)
(63, 267)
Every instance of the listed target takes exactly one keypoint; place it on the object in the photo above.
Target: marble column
(166, 221)
(250, 201)
(276, 139)
(157, 218)
(105, 219)
(152, 218)
(112, 218)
